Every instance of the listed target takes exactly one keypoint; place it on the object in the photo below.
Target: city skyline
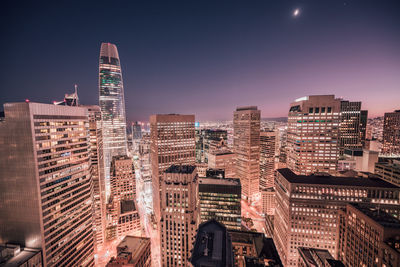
(177, 51)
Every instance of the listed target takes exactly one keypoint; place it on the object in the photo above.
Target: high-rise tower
(246, 145)
(112, 104)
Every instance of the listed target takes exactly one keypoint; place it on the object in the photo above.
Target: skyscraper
(246, 145)
(267, 158)
(313, 134)
(391, 134)
(112, 104)
(172, 142)
(46, 183)
(307, 208)
(351, 125)
(179, 213)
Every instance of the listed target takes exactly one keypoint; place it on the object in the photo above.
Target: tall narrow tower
(112, 104)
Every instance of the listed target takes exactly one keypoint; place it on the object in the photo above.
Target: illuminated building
(46, 183)
(254, 249)
(350, 129)
(246, 145)
(220, 200)
(391, 134)
(313, 134)
(307, 207)
(368, 237)
(123, 216)
(389, 171)
(363, 127)
(222, 159)
(97, 172)
(213, 246)
(112, 104)
(267, 159)
(207, 141)
(172, 142)
(136, 130)
(179, 214)
(312, 257)
(133, 251)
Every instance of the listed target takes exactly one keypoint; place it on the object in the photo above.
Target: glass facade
(112, 104)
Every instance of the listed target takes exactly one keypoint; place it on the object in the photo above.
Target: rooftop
(378, 215)
(318, 257)
(219, 181)
(246, 108)
(186, 169)
(333, 180)
(19, 259)
(127, 206)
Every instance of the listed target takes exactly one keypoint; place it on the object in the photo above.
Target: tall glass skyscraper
(112, 104)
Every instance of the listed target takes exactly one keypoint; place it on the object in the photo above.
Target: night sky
(204, 57)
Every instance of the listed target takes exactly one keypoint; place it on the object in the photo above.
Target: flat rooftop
(334, 180)
(133, 244)
(378, 215)
(186, 169)
(18, 260)
(219, 181)
(246, 108)
(127, 206)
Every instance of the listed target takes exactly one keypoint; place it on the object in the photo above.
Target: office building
(368, 237)
(391, 134)
(358, 160)
(307, 208)
(312, 257)
(254, 249)
(268, 201)
(179, 214)
(220, 200)
(389, 171)
(222, 159)
(97, 172)
(136, 130)
(207, 141)
(15, 256)
(213, 246)
(246, 146)
(313, 134)
(172, 142)
(363, 127)
(112, 104)
(267, 159)
(133, 251)
(350, 129)
(46, 183)
(123, 216)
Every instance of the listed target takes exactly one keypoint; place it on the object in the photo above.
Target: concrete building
(220, 200)
(368, 237)
(172, 142)
(46, 183)
(246, 146)
(254, 249)
(307, 208)
(389, 171)
(268, 201)
(391, 134)
(267, 159)
(222, 159)
(112, 104)
(362, 160)
(179, 214)
(213, 246)
(97, 172)
(15, 256)
(208, 140)
(123, 215)
(313, 134)
(312, 257)
(133, 251)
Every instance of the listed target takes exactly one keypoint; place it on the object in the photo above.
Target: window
(329, 110)
(316, 110)
(310, 110)
(323, 110)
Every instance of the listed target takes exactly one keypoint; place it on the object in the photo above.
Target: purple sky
(205, 58)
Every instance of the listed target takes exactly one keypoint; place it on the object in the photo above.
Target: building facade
(389, 171)
(179, 214)
(368, 237)
(391, 134)
(220, 200)
(172, 142)
(307, 208)
(46, 183)
(267, 159)
(222, 159)
(112, 104)
(350, 125)
(313, 134)
(246, 146)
